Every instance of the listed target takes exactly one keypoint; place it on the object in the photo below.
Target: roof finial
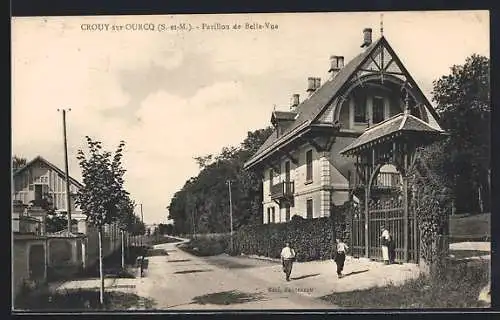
(407, 103)
(381, 25)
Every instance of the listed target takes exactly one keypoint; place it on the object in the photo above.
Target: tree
(102, 193)
(18, 162)
(463, 102)
(431, 201)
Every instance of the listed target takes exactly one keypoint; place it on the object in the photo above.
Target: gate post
(367, 197)
(405, 220)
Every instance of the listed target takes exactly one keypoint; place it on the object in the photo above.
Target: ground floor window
(273, 215)
(309, 206)
(287, 213)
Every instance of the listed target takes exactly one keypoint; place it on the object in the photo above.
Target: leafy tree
(431, 202)
(102, 194)
(463, 102)
(55, 221)
(165, 229)
(18, 162)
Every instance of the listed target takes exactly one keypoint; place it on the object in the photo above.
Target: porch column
(74, 256)
(324, 177)
(84, 252)
(366, 202)
(405, 217)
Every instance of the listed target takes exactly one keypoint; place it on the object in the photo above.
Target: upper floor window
(309, 167)
(360, 110)
(378, 109)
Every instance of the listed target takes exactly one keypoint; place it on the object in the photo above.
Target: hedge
(312, 239)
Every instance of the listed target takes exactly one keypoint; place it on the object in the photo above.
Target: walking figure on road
(340, 250)
(287, 258)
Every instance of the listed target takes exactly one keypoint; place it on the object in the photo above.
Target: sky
(174, 95)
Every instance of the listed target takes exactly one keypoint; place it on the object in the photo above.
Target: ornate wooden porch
(384, 196)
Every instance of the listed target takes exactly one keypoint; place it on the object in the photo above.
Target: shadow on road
(305, 276)
(355, 272)
(192, 271)
(228, 297)
(180, 260)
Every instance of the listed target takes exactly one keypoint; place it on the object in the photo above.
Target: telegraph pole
(68, 195)
(230, 212)
(142, 220)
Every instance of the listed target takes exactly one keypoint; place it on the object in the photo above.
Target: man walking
(287, 257)
(340, 251)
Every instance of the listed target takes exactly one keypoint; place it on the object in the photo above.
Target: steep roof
(284, 115)
(50, 165)
(402, 122)
(312, 107)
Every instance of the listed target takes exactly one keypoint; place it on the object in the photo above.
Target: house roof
(50, 165)
(284, 115)
(402, 122)
(310, 108)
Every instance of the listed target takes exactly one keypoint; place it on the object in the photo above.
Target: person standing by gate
(339, 255)
(386, 239)
(287, 257)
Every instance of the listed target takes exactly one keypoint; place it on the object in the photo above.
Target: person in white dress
(386, 238)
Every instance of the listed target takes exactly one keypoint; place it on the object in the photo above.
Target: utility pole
(230, 212)
(68, 195)
(142, 220)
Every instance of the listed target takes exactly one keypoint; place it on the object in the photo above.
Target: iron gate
(390, 214)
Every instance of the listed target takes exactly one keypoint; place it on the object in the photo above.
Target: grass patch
(477, 226)
(82, 300)
(459, 288)
(227, 298)
(462, 254)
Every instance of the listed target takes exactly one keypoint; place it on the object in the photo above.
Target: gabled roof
(50, 165)
(312, 107)
(402, 122)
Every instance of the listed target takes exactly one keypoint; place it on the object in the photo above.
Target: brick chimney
(295, 101)
(317, 82)
(336, 63)
(367, 37)
(313, 84)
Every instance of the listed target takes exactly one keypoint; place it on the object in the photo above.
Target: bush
(312, 239)
(209, 245)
